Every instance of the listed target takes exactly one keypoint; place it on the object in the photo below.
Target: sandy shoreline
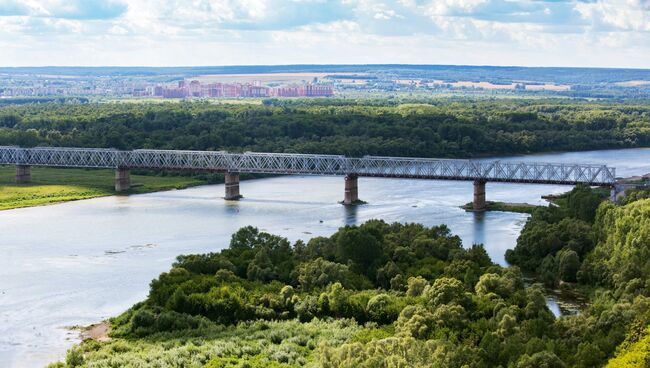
(97, 332)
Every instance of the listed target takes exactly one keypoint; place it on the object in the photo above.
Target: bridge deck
(308, 164)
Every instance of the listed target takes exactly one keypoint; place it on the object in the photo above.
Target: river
(77, 263)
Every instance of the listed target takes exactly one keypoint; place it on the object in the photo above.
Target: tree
(582, 203)
(320, 273)
(548, 271)
(360, 247)
(568, 265)
(489, 283)
(416, 286)
(261, 268)
(445, 290)
(415, 321)
(543, 359)
(381, 309)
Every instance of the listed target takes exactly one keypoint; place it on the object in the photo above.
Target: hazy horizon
(316, 65)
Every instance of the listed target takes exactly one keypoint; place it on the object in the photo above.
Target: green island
(399, 295)
(503, 206)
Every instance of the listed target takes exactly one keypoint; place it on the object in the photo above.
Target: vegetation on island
(389, 295)
(503, 206)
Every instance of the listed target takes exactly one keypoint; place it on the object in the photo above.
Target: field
(55, 185)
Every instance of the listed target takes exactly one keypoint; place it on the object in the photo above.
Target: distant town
(317, 81)
(195, 88)
(34, 86)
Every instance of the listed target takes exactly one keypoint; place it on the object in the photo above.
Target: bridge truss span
(312, 164)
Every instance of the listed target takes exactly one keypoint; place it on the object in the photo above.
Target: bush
(445, 290)
(415, 321)
(320, 273)
(416, 286)
(382, 309)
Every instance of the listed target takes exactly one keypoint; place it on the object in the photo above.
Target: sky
(612, 33)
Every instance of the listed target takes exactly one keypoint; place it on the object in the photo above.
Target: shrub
(381, 309)
(416, 286)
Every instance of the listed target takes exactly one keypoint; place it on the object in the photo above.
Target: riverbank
(97, 332)
(503, 207)
(57, 185)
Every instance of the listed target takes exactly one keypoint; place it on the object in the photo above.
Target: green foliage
(416, 286)
(321, 308)
(320, 273)
(568, 265)
(582, 203)
(360, 247)
(74, 357)
(382, 309)
(440, 128)
(634, 355)
(542, 359)
(445, 290)
(560, 245)
(566, 226)
(621, 258)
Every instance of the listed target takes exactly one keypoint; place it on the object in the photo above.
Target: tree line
(437, 128)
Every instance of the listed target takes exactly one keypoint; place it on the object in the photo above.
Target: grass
(56, 185)
(255, 344)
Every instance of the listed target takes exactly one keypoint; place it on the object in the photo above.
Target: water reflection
(350, 213)
(479, 227)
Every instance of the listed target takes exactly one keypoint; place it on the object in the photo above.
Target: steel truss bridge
(308, 164)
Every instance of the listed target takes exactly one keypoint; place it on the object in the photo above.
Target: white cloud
(631, 15)
(204, 32)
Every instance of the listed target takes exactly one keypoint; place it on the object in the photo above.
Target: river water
(77, 263)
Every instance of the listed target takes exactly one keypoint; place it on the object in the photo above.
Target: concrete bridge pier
(23, 174)
(232, 186)
(351, 190)
(122, 179)
(479, 195)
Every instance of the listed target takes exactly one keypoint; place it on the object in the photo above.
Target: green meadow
(55, 185)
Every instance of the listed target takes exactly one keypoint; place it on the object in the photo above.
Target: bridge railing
(485, 170)
(307, 164)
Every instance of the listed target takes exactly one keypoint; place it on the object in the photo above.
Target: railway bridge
(232, 164)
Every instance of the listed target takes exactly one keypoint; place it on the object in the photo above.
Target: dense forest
(437, 128)
(399, 295)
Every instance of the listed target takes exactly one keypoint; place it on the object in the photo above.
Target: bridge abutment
(23, 174)
(122, 179)
(351, 190)
(479, 196)
(232, 186)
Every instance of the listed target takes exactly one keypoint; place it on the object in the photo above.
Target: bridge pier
(232, 186)
(479, 195)
(122, 179)
(23, 174)
(351, 190)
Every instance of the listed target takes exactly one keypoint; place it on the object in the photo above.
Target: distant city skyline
(578, 33)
